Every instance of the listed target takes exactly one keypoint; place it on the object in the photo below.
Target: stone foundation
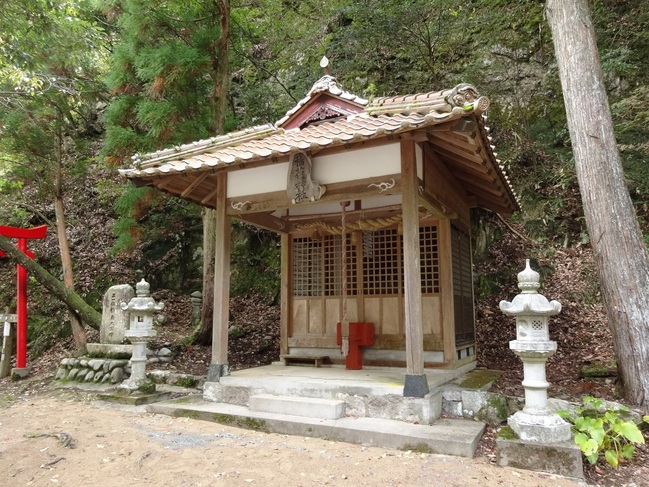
(104, 370)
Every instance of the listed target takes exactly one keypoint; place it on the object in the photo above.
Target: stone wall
(104, 370)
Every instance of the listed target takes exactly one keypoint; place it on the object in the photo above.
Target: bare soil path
(62, 437)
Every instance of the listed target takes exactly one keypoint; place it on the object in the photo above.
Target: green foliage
(255, 262)
(604, 431)
(159, 75)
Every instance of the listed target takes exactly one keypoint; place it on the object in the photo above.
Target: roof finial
(324, 64)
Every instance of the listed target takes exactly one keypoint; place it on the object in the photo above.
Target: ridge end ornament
(300, 185)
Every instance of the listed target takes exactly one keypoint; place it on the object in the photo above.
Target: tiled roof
(266, 143)
(381, 117)
(389, 115)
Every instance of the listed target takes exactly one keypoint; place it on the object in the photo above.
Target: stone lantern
(533, 345)
(142, 309)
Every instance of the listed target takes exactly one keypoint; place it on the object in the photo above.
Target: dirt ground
(64, 437)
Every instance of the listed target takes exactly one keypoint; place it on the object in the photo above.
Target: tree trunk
(204, 335)
(89, 315)
(78, 332)
(218, 104)
(619, 249)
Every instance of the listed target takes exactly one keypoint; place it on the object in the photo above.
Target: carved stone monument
(114, 320)
(114, 323)
(300, 186)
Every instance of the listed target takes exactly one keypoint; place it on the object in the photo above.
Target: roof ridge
(326, 84)
(463, 95)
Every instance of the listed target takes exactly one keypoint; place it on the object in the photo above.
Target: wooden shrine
(411, 168)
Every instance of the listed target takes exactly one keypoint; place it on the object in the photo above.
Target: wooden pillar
(285, 293)
(8, 337)
(219, 364)
(444, 242)
(416, 384)
(21, 310)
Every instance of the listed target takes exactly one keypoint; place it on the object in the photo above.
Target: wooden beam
(194, 184)
(310, 222)
(433, 205)
(285, 293)
(442, 185)
(349, 190)
(473, 186)
(412, 277)
(219, 363)
(469, 154)
(446, 289)
(212, 194)
(166, 182)
(267, 221)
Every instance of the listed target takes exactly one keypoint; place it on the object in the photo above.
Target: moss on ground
(478, 379)
(506, 433)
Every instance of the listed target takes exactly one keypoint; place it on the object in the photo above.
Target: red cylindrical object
(360, 335)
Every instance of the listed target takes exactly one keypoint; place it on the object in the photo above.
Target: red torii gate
(23, 235)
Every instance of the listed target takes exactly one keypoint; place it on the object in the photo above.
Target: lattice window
(382, 266)
(429, 260)
(333, 266)
(317, 264)
(537, 325)
(307, 267)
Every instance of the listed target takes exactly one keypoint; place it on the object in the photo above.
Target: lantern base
(543, 428)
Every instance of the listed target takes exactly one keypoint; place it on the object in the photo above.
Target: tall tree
(620, 252)
(219, 74)
(47, 99)
(172, 57)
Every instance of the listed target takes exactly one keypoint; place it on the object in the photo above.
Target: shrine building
(400, 176)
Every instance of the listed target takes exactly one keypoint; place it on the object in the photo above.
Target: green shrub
(599, 430)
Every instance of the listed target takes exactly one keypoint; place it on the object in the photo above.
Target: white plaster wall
(257, 180)
(357, 164)
(335, 168)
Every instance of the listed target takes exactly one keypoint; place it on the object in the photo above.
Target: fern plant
(599, 430)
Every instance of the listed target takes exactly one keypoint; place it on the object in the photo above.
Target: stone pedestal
(558, 458)
(18, 373)
(544, 428)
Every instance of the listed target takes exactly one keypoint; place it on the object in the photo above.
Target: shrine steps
(358, 406)
(298, 406)
(446, 436)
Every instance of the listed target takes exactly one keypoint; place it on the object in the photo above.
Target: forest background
(86, 84)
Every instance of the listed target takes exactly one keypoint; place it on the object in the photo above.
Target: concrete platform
(370, 392)
(329, 381)
(134, 399)
(447, 436)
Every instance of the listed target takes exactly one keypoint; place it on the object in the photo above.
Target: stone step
(309, 407)
(447, 436)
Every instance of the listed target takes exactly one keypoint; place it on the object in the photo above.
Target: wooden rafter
(194, 184)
